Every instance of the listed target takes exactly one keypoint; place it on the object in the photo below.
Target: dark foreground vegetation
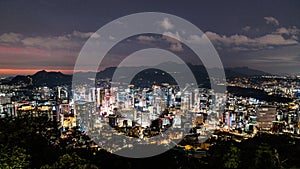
(27, 142)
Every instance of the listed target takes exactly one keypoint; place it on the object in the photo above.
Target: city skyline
(149, 84)
(49, 35)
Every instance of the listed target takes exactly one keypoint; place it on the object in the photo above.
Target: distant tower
(98, 100)
(92, 95)
(58, 92)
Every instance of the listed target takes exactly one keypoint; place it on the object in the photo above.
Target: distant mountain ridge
(43, 78)
(199, 70)
(244, 71)
(52, 79)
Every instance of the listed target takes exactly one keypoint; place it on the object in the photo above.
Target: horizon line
(15, 72)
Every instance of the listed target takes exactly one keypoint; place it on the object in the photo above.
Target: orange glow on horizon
(30, 71)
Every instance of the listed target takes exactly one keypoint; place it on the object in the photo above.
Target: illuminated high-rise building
(265, 116)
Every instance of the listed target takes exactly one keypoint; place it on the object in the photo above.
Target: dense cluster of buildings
(251, 115)
(147, 112)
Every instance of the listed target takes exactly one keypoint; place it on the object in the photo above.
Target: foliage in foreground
(37, 143)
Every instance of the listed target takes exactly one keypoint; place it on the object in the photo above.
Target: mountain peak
(44, 78)
(40, 72)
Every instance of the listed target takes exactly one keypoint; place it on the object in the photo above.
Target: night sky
(36, 35)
